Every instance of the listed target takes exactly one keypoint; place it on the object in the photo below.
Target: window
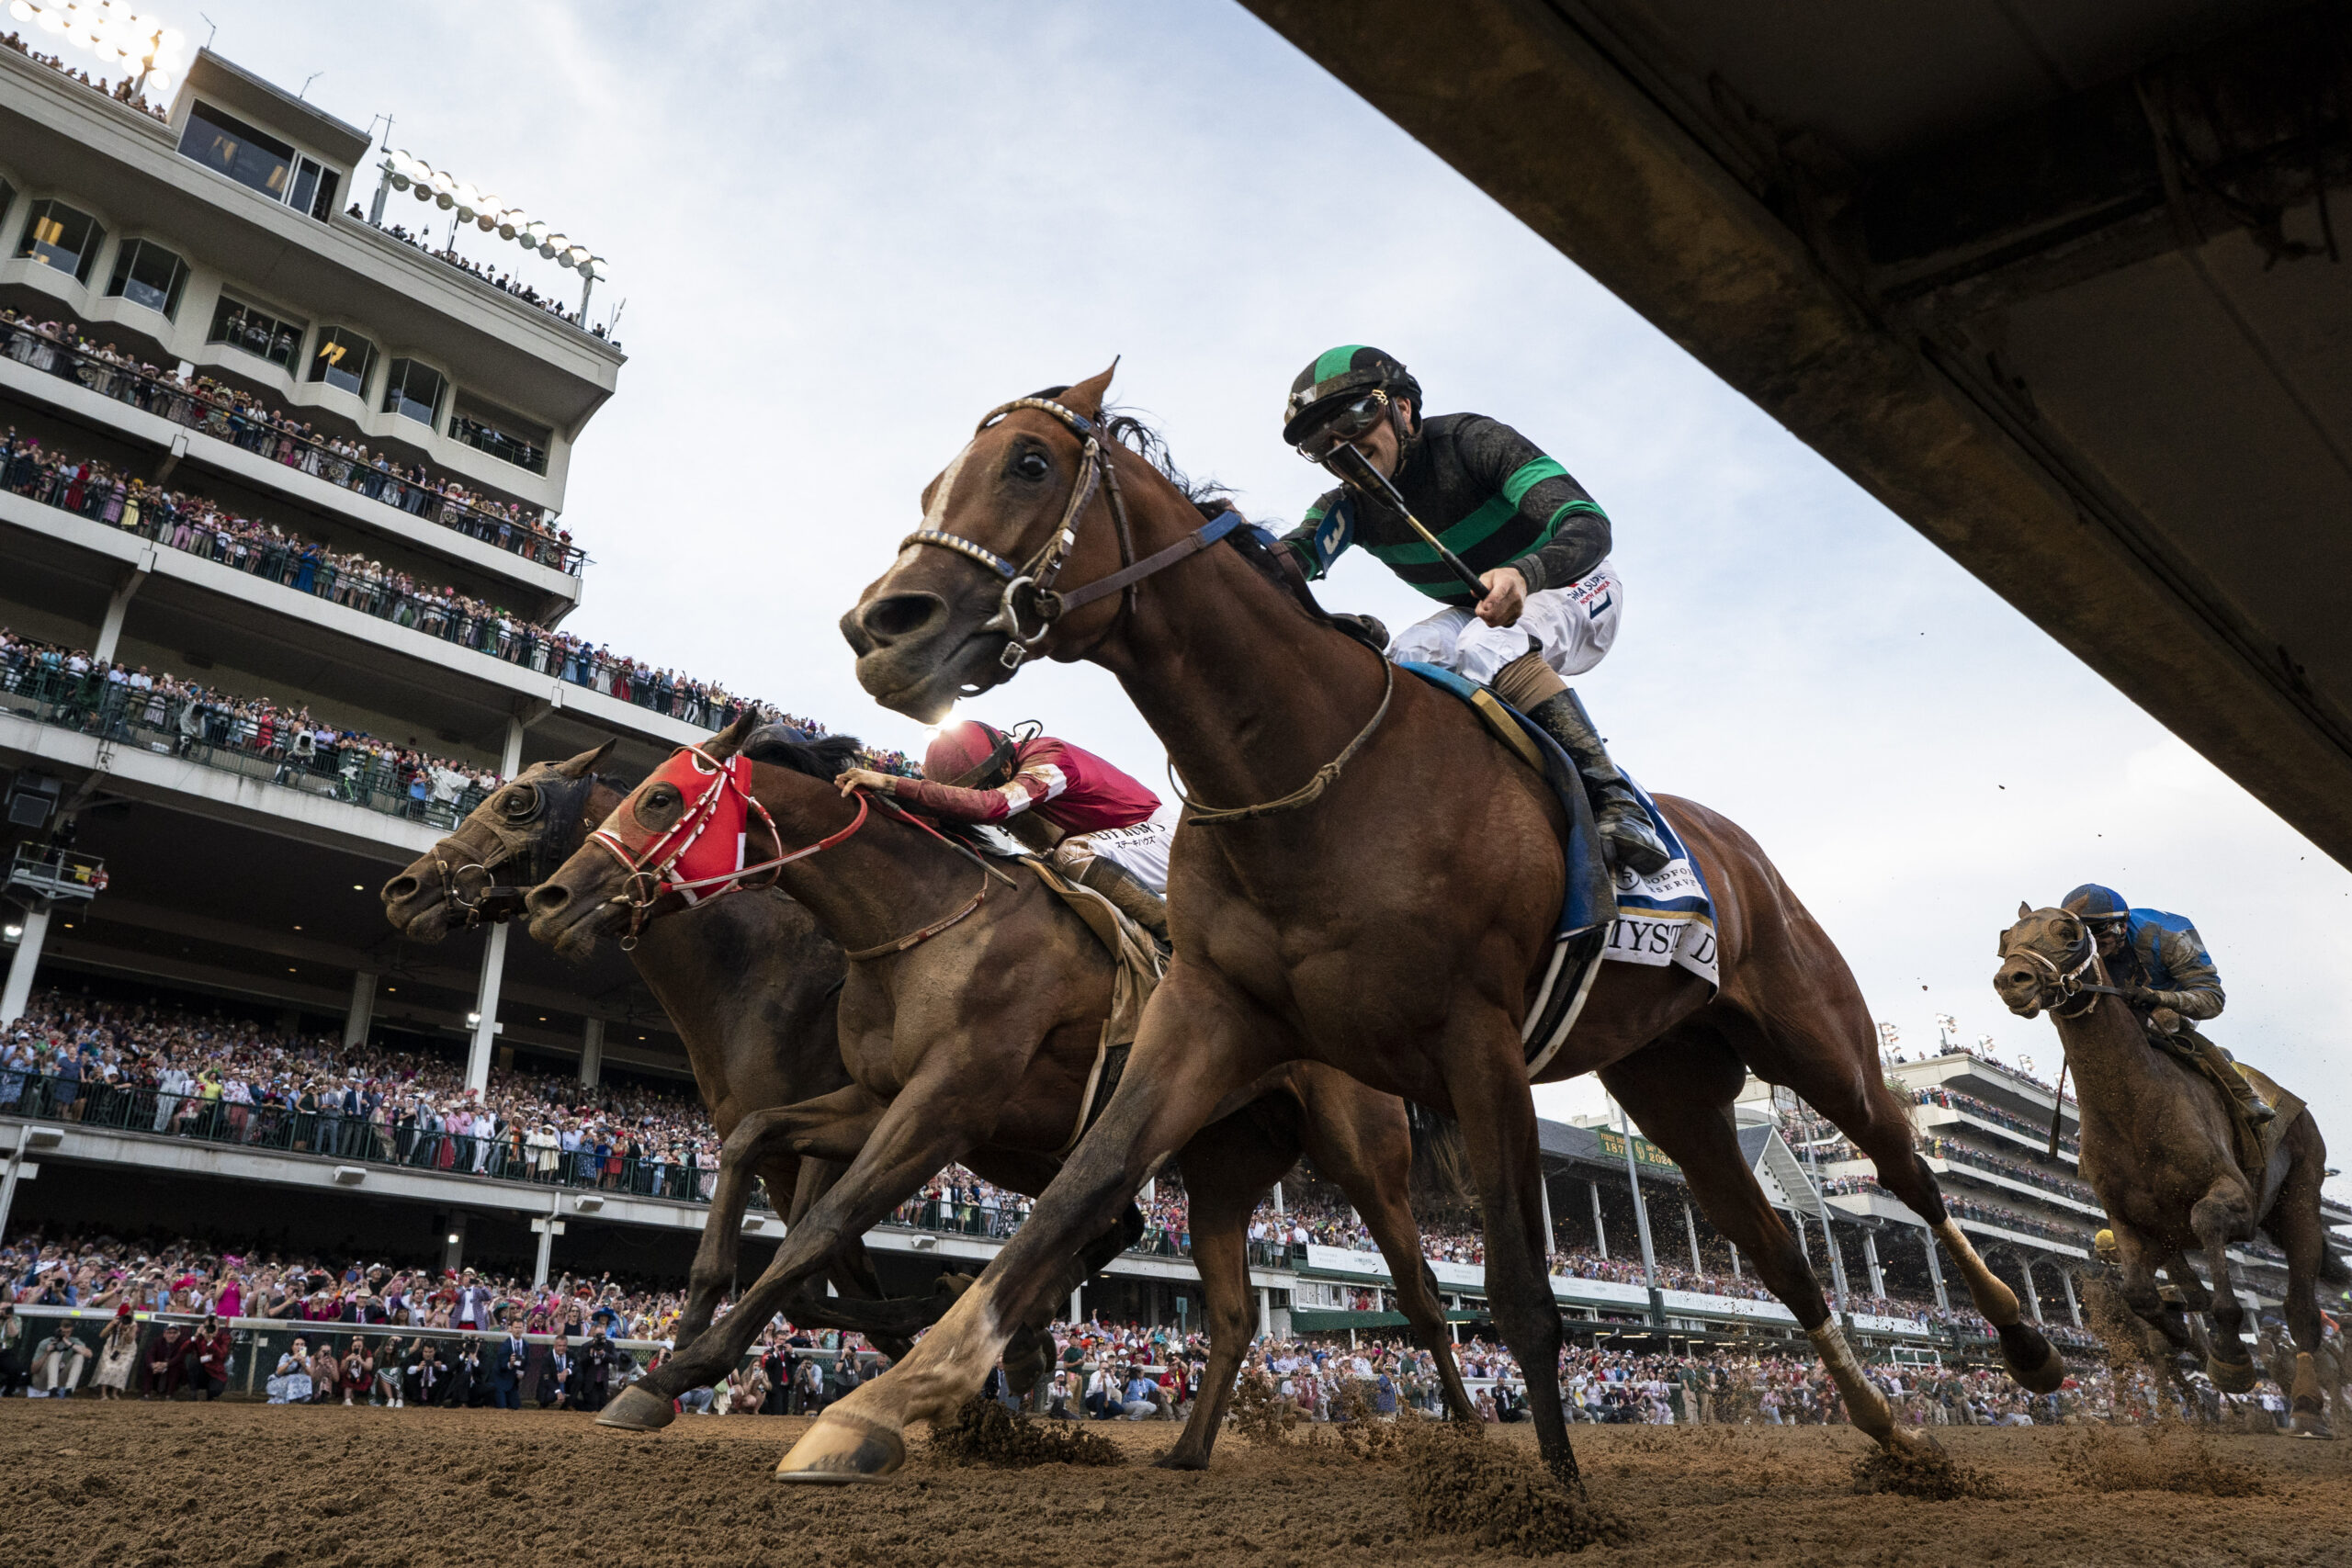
(343, 359)
(256, 331)
(146, 274)
(254, 158)
(229, 146)
(57, 236)
(503, 435)
(414, 391)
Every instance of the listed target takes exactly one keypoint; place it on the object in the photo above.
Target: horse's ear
(2025, 910)
(729, 740)
(580, 767)
(1086, 398)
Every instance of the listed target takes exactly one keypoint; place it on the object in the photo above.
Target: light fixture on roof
(512, 222)
(403, 171)
(486, 210)
(554, 245)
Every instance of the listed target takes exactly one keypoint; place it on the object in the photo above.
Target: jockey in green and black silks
(1537, 541)
(2159, 962)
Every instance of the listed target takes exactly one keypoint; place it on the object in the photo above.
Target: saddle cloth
(1137, 969)
(1660, 919)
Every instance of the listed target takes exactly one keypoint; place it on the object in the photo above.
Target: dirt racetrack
(134, 1485)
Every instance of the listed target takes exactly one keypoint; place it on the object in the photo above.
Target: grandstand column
(1599, 1231)
(1550, 1237)
(363, 1007)
(33, 930)
(1641, 1223)
(1690, 1229)
(549, 1228)
(1869, 1256)
(1278, 1197)
(485, 1018)
(2074, 1305)
(118, 605)
(592, 1051)
(1076, 1312)
(1936, 1271)
(2032, 1296)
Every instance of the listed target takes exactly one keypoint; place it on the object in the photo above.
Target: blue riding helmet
(2092, 902)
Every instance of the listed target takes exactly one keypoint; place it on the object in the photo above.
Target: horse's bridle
(648, 863)
(499, 900)
(1034, 579)
(2066, 982)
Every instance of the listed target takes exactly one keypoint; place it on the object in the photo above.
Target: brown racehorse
(2158, 1149)
(750, 983)
(1390, 926)
(977, 1041)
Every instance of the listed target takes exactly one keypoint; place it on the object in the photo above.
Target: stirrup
(1627, 837)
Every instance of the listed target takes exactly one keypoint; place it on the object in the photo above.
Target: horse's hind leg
(1228, 1166)
(1680, 1089)
(1816, 1038)
(2294, 1223)
(1360, 1138)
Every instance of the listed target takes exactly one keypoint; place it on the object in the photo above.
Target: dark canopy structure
(2062, 284)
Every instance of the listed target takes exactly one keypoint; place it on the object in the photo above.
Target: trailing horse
(972, 1027)
(750, 984)
(2159, 1148)
(1383, 905)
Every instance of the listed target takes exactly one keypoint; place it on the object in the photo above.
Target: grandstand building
(183, 288)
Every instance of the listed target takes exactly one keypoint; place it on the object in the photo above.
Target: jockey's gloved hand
(2164, 1020)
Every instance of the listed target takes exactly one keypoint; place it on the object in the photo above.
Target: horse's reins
(2068, 984)
(1038, 575)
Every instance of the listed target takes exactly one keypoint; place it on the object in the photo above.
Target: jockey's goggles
(1352, 419)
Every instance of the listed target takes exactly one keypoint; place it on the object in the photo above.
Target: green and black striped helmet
(1338, 374)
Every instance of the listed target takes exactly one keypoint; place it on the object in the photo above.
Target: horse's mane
(1211, 498)
(827, 757)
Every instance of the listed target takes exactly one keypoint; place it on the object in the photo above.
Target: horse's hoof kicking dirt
(2230, 1377)
(841, 1449)
(636, 1409)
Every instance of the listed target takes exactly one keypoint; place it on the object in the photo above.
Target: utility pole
(1641, 1223)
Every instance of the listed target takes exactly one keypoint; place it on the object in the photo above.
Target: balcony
(177, 418)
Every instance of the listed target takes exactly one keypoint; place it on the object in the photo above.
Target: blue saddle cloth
(1588, 903)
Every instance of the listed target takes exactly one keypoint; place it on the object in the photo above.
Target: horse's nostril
(400, 887)
(548, 899)
(900, 615)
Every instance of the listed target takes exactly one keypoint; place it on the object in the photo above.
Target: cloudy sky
(843, 232)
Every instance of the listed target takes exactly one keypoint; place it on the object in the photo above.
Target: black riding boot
(1626, 835)
(1129, 894)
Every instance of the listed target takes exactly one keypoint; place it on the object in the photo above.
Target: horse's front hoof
(2031, 1359)
(1180, 1458)
(1913, 1441)
(841, 1449)
(637, 1409)
(2231, 1377)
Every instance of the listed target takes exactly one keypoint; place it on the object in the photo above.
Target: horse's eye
(1032, 465)
(522, 803)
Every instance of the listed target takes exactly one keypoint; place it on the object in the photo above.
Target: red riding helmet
(968, 754)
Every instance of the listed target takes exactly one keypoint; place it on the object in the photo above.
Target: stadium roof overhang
(2057, 284)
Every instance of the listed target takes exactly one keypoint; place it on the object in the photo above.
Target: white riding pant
(1572, 628)
(1141, 850)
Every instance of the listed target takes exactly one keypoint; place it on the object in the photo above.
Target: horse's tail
(1440, 1159)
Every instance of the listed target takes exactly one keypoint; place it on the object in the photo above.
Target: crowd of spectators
(191, 720)
(1937, 1147)
(1983, 1111)
(186, 521)
(123, 92)
(496, 279)
(235, 415)
(229, 1081)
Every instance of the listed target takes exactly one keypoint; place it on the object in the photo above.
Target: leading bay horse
(970, 1024)
(1375, 892)
(751, 985)
(2158, 1150)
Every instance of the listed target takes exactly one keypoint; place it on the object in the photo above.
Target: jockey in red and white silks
(1092, 822)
